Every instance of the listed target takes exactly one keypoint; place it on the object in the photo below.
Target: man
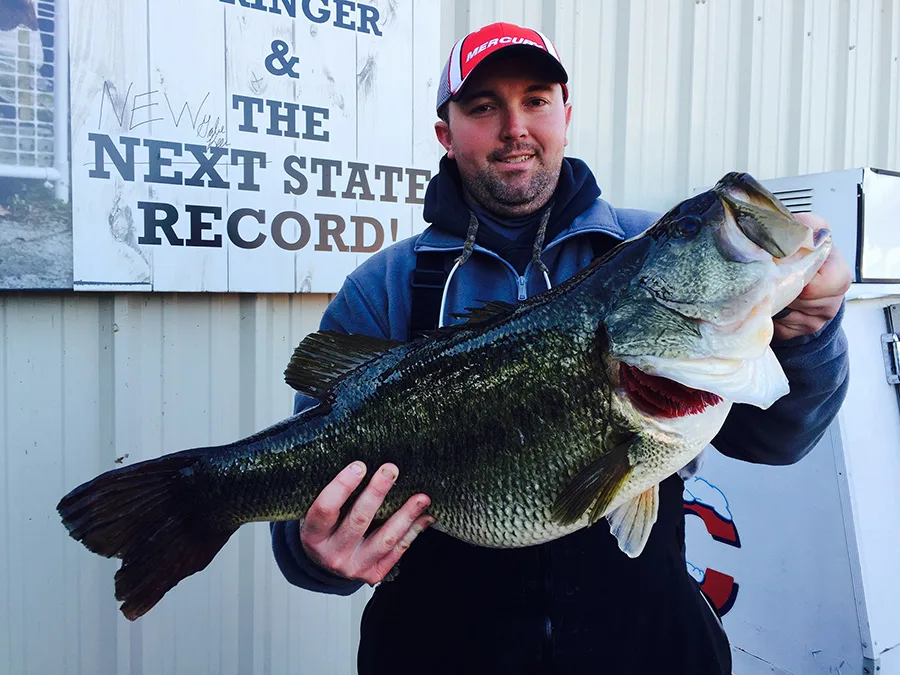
(576, 604)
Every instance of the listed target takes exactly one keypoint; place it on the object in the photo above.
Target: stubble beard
(489, 190)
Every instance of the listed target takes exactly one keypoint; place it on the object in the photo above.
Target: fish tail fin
(142, 515)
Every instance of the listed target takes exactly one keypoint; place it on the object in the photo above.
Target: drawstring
(469, 246)
(539, 245)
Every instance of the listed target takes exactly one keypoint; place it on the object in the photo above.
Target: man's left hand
(821, 298)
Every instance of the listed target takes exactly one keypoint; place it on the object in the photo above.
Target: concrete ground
(35, 255)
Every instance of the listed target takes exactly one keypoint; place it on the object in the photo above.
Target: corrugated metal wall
(92, 381)
(668, 96)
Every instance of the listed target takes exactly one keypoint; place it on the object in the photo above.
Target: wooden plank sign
(257, 146)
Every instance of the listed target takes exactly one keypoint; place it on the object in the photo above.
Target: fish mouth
(764, 220)
(757, 228)
(662, 397)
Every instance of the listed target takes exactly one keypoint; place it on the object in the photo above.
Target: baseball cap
(474, 48)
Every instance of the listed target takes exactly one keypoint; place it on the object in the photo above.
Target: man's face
(507, 134)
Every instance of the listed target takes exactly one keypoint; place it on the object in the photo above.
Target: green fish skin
(522, 424)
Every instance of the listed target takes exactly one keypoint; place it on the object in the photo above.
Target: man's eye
(484, 107)
(537, 102)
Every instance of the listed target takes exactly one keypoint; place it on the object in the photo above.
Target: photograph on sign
(35, 215)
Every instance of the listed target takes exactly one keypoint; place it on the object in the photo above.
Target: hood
(448, 212)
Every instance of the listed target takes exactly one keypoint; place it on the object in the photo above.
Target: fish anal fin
(631, 522)
(324, 357)
(595, 486)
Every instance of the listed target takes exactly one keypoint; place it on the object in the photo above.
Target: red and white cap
(472, 50)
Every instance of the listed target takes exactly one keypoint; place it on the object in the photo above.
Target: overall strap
(599, 244)
(428, 279)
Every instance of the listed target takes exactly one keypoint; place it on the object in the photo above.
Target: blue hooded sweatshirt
(551, 602)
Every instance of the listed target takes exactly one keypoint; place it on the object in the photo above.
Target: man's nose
(514, 126)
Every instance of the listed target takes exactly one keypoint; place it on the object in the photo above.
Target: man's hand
(821, 298)
(340, 546)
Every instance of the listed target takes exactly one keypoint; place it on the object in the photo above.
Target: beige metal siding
(668, 96)
(92, 381)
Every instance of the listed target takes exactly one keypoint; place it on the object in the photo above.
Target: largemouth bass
(522, 424)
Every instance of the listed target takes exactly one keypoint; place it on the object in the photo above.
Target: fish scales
(489, 426)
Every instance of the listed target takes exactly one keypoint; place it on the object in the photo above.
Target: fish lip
(763, 218)
(821, 237)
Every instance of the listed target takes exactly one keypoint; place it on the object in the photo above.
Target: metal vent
(27, 65)
(797, 201)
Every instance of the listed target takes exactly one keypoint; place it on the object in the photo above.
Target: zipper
(521, 281)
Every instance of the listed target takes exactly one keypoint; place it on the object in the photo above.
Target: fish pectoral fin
(632, 522)
(595, 486)
(324, 357)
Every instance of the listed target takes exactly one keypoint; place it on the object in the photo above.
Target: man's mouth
(515, 159)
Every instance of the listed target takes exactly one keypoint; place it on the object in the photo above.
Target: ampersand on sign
(278, 64)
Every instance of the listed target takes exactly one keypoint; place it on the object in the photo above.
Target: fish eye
(686, 226)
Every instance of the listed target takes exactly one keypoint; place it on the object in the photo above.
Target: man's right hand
(340, 546)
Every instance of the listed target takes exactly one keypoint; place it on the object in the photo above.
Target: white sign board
(247, 145)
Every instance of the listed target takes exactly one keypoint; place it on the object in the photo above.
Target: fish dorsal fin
(632, 522)
(492, 309)
(595, 486)
(324, 357)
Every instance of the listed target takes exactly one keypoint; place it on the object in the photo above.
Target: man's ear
(568, 121)
(442, 131)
